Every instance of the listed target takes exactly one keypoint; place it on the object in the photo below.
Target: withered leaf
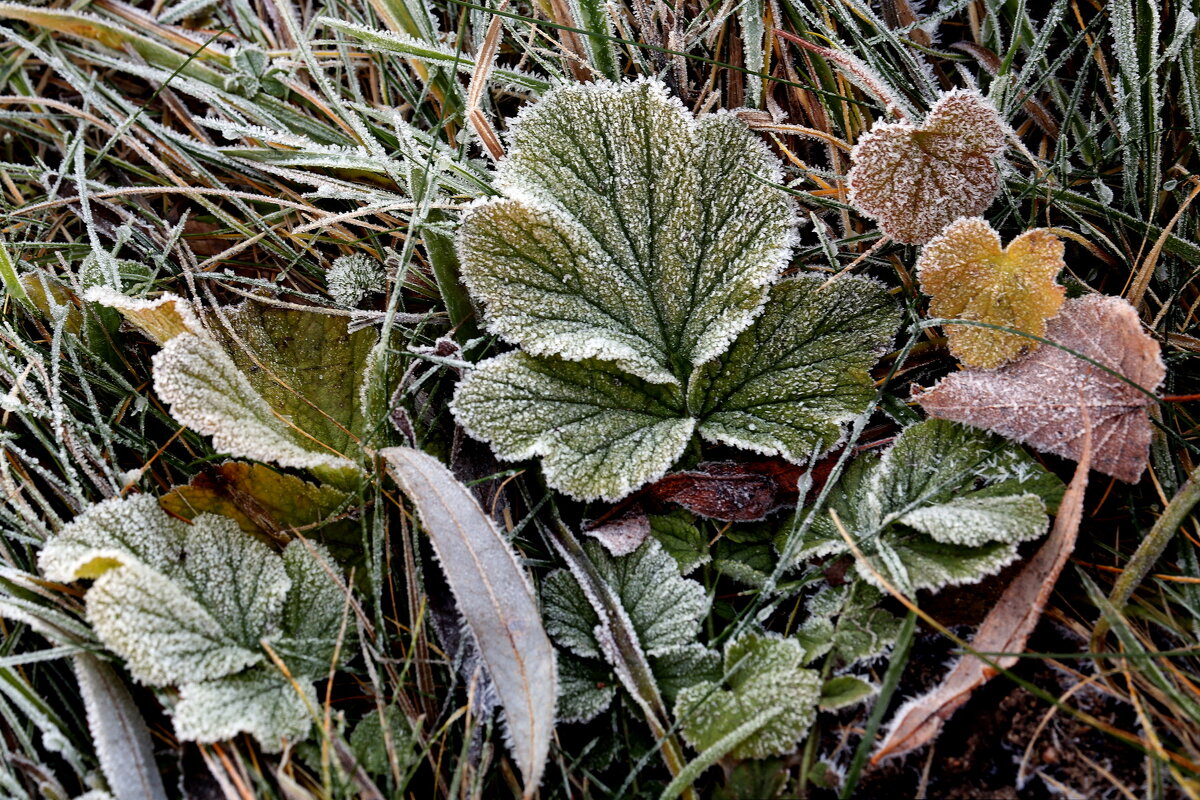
(1039, 400)
(969, 274)
(914, 180)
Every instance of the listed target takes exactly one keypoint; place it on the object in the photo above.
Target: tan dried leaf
(969, 274)
(914, 180)
(1037, 400)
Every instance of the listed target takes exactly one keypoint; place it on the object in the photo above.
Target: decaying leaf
(945, 505)
(1005, 629)
(496, 601)
(968, 274)
(160, 320)
(1037, 399)
(190, 605)
(763, 673)
(915, 179)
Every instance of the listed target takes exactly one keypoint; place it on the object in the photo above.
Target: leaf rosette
(631, 257)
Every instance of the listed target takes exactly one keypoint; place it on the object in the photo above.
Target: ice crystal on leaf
(631, 252)
(1041, 399)
(765, 682)
(970, 275)
(664, 609)
(189, 606)
(915, 179)
(945, 505)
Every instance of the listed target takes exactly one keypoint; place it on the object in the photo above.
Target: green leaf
(762, 674)
(612, 193)
(258, 702)
(209, 393)
(664, 608)
(602, 432)
(945, 505)
(313, 612)
(802, 369)
(680, 667)
(372, 748)
(845, 690)
(306, 365)
(683, 540)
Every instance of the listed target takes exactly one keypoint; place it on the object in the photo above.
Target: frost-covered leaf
(789, 381)
(847, 622)
(258, 498)
(969, 274)
(665, 608)
(308, 366)
(786, 386)
(680, 667)
(119, 733)
(118, 531)
(495, 598)
(945, 505)
(745, 554)
(586, 688)
(915, 179)
(628, 231)
(373, 749)
(200, 617)
(681, 539)
(207, 392)
(351, 278)
(160, 320)
(761, 673)
(259, 702)
(312, 614)
(601, 432)
(1040, 399)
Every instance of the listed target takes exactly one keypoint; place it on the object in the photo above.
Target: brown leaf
(914, 180)
(1005, 629)
(1037, 399)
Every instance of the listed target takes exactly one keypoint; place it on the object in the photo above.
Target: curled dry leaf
(1047, 398)
(969, 274)
(913, 180)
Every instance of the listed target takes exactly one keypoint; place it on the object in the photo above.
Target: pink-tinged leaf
(916, 179)
(1041, 399)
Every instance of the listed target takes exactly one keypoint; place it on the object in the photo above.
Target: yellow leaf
(970, 275)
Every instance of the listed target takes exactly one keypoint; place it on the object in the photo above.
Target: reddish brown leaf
(1005, 629)
(1039, 400)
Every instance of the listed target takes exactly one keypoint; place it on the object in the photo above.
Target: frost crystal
(914, 180)
(970, 275)
(190, 605)
(920, 515)
(353, 277)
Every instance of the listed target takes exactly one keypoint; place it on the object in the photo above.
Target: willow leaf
(495, 598)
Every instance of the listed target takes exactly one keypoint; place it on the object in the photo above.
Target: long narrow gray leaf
(120, 734)
(496, 600)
